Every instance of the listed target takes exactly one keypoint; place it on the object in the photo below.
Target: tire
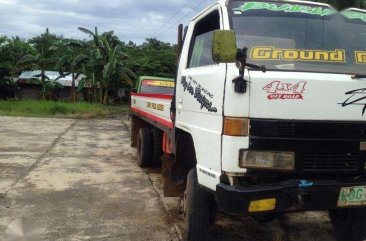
(133, 134)
(349, 224)
(144, 148)
(198, 209)
(157, 147)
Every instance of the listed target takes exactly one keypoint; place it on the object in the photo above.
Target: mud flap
(173, 177)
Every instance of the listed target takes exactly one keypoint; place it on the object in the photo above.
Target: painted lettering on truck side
(155, 106)
(196, 92)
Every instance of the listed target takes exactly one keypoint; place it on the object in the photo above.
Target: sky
(133, 20)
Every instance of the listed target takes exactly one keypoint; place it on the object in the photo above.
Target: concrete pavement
(77, 180)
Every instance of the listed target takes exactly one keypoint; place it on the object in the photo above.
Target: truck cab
(268, 114)
(293, 138)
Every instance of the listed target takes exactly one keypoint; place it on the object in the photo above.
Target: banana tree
(40, 62)
(95, 64)
(48, 87)
(108, 61)
(42, 57)
(115, 69)
(71, 64)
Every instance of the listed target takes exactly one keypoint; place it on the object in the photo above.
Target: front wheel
(198, 209)
(349, 224)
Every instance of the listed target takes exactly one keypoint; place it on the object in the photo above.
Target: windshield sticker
(360, 57)
(354, 15)
(278, 90)
(357, 97)
(158, 83)
(287, 8)
(198, 92)
(272, 53)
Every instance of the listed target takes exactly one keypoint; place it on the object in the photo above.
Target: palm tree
(11, 51)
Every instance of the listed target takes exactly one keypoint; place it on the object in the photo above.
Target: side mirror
(224, 46)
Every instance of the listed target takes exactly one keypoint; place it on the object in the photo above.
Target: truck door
(199, 95)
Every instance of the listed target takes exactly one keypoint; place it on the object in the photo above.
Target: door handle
(180, 103)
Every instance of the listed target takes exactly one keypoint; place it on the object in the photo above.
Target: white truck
(268, 115)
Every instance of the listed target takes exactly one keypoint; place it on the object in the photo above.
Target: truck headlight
(273, 160)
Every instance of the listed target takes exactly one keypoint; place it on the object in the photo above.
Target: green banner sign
(296, 8)
(354, 15)
(288, 8)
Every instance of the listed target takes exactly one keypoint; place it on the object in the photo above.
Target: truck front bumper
(293, 195)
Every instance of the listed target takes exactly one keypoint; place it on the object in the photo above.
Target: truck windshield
(300, 37)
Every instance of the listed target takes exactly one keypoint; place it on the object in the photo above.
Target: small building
(28, 90)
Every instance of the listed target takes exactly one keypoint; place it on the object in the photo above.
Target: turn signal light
(363, 146)
(234, 126)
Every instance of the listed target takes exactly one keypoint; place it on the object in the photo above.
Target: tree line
(107, 62)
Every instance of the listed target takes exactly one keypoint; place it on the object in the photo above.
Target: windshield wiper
(358, 76)
(242, 56)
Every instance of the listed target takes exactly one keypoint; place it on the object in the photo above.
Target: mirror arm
(261, 67)
(240, 83)
(241, 56)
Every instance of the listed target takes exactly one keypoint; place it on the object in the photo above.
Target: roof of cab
(358, 10)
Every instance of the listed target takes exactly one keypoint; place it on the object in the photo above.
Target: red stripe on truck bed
(162, 121)
(159, 96)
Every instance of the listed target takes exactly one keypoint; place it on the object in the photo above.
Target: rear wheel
(144, 148)
(157, 147)
(198, 209)
(349, 224)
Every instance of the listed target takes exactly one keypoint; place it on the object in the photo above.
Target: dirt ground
(78, 180)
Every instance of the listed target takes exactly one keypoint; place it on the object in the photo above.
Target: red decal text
(278, 90)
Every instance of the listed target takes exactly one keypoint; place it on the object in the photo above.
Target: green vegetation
(107, 62)
(58, 109)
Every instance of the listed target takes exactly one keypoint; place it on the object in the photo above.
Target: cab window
(201, 44)
(157, 87)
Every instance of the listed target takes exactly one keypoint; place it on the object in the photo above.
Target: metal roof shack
(66, 81)
(31, 91)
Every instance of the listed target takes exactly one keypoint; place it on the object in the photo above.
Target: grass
(30, 108)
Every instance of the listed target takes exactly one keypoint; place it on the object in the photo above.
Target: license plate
(352, 196)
